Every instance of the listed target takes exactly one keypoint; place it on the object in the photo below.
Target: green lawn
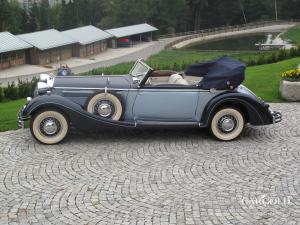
(293, 34)
(263, 80)
(8, 114)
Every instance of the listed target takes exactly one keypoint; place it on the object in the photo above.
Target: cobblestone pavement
(154, 177)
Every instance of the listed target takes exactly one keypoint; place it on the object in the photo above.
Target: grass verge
(264, 80)
(293, 34)
(8, 114)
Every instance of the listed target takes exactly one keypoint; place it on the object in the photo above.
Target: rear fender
(255, 111)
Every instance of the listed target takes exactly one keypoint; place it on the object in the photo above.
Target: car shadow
(250, 133)
(157, 134)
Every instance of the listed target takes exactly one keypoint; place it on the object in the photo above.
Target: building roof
(9, 43)
(86, 35)
(47, 39)
(131, 30)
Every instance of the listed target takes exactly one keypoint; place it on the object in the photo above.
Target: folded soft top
(223, 73)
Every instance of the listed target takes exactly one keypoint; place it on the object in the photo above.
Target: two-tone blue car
(206, 95)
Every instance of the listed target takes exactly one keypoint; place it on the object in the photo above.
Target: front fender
(48, 101)
(256, 112)
(76, 115)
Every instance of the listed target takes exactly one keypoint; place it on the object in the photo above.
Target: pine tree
(34, 18)
(44, 14)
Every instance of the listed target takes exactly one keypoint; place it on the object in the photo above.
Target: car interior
(170, 78)
(162, 78)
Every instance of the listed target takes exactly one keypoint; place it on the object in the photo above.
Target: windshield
(140, 70)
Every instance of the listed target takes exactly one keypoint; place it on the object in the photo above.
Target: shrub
(11, 91)
(294, 52)
(176, 67)
(261, 60)
(14, 91)
(185, 65)
(1, 94)
(282, 55)
(250, 61)
(274, 57)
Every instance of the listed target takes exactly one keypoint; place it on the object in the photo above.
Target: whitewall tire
(227, 124)
(105, 105)
(49, 127)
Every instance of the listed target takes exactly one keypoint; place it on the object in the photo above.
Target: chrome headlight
(44, 77)
(42, 87)
(48, 79)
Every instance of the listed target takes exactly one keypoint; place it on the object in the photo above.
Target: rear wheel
(49, 127)
(106, 105)
(227, 124)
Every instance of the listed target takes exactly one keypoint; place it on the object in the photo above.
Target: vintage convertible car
(206, 95)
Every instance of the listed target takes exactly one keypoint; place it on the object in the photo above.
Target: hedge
(262, 59)
(21, 89)
(276, 56)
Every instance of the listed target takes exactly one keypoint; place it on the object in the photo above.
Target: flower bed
(291, 75)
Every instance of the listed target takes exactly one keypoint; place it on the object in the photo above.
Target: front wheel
(227, 124)
(49, 127)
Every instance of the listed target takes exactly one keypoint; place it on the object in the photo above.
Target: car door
(166, 105)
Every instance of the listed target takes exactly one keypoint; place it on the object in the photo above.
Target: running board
(140, 123)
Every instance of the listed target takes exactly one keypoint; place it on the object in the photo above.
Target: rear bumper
(277, 117)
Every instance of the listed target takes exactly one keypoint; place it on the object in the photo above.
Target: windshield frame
(140, 77)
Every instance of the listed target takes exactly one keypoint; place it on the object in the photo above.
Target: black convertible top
(223, 73)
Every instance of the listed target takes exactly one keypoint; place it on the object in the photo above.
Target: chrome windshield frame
(144, 73)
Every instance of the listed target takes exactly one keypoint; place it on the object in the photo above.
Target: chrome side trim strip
(79, 91)
(163, 123)
(79, 88)
(91, 76)
(145, 90)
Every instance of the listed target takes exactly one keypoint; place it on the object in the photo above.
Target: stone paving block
(154, 177)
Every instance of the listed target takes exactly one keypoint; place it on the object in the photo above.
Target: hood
(114, 81)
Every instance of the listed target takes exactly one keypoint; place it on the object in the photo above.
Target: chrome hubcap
(227, 124)
(50, 126)
(104, 109)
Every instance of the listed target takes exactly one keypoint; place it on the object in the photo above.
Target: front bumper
(21, 119)
(277, 117)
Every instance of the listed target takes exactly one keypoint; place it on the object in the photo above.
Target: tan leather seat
(181, 81)
(173, 78)
(177, 79)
